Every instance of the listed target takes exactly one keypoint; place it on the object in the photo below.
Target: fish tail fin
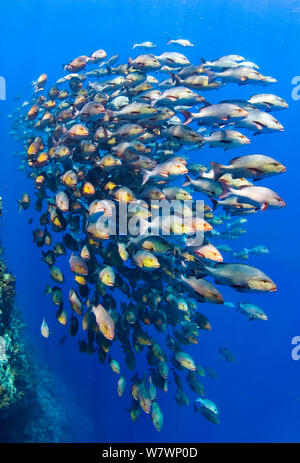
(211, 76)
(48, 289)
(227, 190)
(133, 46)
(203, 265)
(20, 205)
(206, 103)
(129, 62)
(188, 117)
(146, 175)
(169, 41)
(218, 169)
(187, 181)
(215, 203)
(175, 79)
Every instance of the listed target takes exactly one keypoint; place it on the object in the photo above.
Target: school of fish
(107, 133)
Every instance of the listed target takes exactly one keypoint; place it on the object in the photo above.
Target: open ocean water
(258, 396)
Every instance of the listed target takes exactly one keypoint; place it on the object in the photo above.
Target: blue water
(258, 397)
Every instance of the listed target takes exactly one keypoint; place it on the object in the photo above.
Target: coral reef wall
(32, 400)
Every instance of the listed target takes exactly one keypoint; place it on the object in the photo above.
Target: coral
(32, 401)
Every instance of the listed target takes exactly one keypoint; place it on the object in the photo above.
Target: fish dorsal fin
(235, 159)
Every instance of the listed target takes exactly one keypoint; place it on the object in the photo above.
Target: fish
(226, 139)
(62, 316)
(107, 276)
(45, 329)
(260, 122)
(98, 55)
(145, 63)
(181, 398)
(217, 114)
(146, 260)
(259, 197)
(242, 277)
(145, 45)
(208, 251)
(25, 202)
(104, 322)
(121, 386)
(115, 366)
(258, 250)
(75, 302)
(203, 289)
(208, 404)
(164, 170)
(227, 354)
(181, 42)
(179, 96)
(157, 416)
(268, 102)
(185, 360)
(252, 311)
(204, 185)
(254, 166)
(173, 59)
(56, 274)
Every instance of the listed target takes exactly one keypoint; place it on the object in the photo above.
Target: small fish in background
(229, 304)
(157, 416)
(241, 255)
(227, 354)
(208, 409)
(115, 366)
(121, 386)
(24, 202)
(252, 311)
(145, 45)
(259, 249)
(45, 329)
(211, 372)
(180, 42)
